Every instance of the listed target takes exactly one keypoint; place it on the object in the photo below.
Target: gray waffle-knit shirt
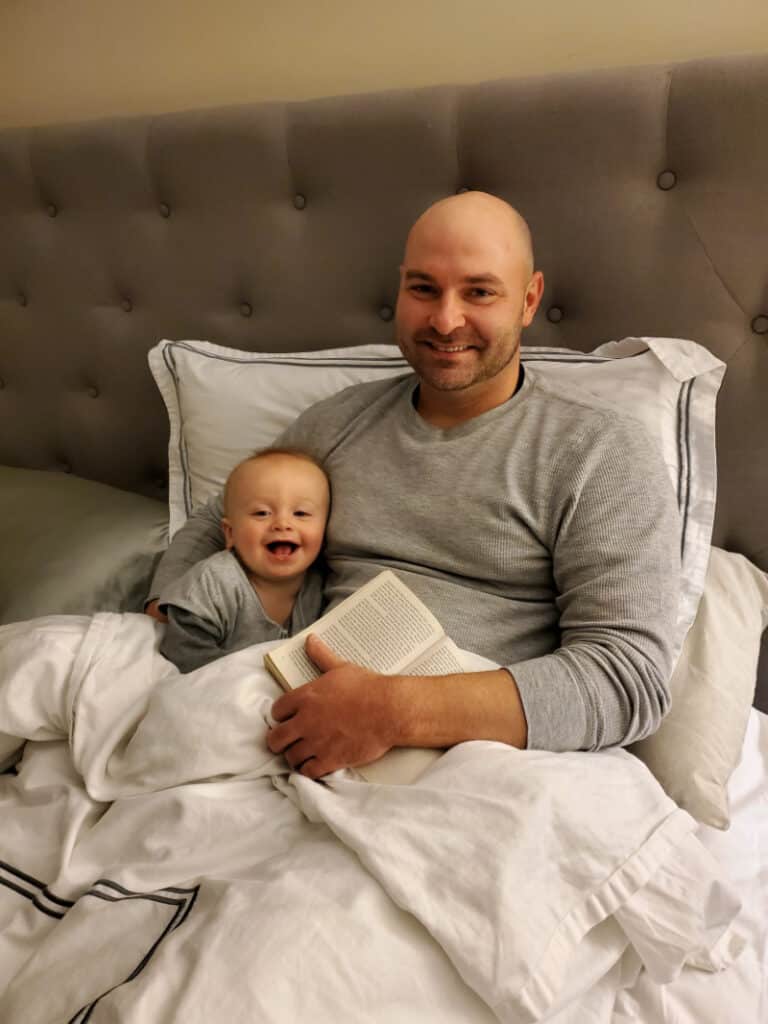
(543, 534)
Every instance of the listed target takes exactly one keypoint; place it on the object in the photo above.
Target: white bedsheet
(740, 994)
(160, 864)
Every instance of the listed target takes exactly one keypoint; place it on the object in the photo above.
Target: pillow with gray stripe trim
(223, 403)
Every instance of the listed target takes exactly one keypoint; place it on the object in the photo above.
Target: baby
(265, 585)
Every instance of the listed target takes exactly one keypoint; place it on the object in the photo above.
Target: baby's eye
(301, 512)
(260, 513)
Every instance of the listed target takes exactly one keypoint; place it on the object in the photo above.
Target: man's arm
(617, 569)
(319, 723)
(198, 616)
(198, 538)
(616, 564)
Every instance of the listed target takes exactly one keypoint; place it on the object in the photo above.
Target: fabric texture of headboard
(279, 227)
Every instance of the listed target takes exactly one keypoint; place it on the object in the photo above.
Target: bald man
(541, 530)
(467, 290)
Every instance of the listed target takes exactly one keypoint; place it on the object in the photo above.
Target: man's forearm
(200, 537)
(440, 711)
(350, 716)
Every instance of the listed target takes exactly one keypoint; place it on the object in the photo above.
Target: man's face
(463, 302)
(277, 507)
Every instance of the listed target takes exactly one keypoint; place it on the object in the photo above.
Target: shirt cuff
(553, 704)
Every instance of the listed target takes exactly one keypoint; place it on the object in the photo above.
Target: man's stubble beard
(486, 372)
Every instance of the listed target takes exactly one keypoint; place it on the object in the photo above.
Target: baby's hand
(153, 609)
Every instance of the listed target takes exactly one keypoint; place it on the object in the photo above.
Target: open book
(383, 626)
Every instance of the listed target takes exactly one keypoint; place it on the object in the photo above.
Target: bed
(173, 290)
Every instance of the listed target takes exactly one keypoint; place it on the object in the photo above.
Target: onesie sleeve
(196, 627)
(200, 537)
(189, 641)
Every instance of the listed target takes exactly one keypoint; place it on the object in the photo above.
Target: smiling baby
(266, 585)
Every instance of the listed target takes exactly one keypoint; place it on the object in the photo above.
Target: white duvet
(158, 863)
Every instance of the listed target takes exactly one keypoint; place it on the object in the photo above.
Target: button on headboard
(280, 227)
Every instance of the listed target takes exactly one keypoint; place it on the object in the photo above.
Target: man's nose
(447, 315)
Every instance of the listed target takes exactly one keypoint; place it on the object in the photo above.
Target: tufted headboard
(280, 227)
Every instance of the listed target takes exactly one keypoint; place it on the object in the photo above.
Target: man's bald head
(467, 291)
(475, 214)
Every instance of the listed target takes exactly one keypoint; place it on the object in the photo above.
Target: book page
(381, 627)
(440, 660)
(302, 670)
(382, 631)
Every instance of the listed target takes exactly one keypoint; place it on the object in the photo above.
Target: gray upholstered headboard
(280, 227)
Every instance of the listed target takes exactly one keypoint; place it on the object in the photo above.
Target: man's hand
(153, 609)
(339, 720)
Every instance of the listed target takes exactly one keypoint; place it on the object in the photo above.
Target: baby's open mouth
(282, 548)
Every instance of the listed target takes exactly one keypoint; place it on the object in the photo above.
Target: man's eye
(422, 289)
(480, 293)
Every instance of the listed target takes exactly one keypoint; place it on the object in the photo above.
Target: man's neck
(446, 409)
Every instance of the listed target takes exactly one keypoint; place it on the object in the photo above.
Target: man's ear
(226, 529)
(533, 294)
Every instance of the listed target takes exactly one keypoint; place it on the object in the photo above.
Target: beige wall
(62, 60)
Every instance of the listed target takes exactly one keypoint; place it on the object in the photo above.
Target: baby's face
(277, 508)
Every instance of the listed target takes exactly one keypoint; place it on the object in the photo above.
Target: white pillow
(697, 747)
(223, 403)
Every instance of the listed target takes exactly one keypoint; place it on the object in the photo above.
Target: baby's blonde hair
(264, 453)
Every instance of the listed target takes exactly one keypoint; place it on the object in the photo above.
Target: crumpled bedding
(159, 863)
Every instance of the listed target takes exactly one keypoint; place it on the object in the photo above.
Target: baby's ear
(226, 529)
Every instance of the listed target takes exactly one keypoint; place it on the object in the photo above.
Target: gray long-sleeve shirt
(543, 534)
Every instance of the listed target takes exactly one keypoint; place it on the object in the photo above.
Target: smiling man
(541, 530)
(467, 290)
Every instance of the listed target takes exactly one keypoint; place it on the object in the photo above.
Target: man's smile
(448, 348)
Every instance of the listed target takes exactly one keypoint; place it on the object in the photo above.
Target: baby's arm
(199, 538)
(190, 640)
(197, 617)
